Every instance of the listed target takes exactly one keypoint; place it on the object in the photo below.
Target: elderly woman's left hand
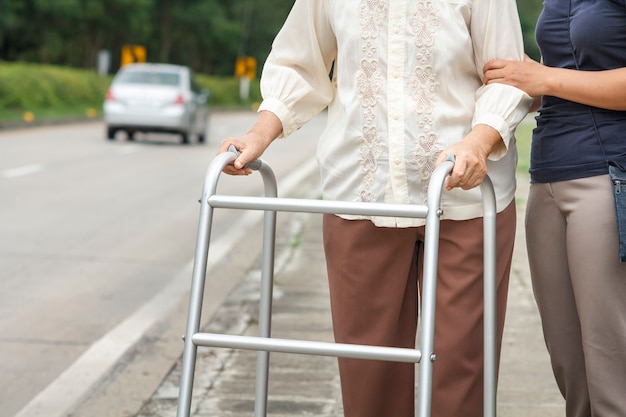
(470, 157)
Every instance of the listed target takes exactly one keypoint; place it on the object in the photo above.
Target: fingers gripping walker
(264, 344)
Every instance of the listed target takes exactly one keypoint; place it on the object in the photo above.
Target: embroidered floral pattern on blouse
(424, 22)
(426, 158)
(368, 153)
(370, 82)
(372, 15)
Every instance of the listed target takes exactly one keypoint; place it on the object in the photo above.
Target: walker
(265, 344)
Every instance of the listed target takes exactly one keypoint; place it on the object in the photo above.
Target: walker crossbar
(317, 206)
(264, 343)
(343, 350)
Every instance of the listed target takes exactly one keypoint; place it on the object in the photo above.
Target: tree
(11, 21)
(529, 12)
(207, 35)
(197, 33)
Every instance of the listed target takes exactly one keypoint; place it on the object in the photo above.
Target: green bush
(32, 86)
(225, 91)
(50, 91)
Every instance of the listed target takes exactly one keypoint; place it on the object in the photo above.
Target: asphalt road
(96, 245)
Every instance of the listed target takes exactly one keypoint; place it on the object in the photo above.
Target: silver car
(156, 98)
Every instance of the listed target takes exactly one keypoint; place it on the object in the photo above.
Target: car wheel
(130, 135)
(111, 133)
(184, 138)
(201, 138)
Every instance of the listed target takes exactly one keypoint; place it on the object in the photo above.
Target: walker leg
(265, 312)
(427, 330)
(195, 308)
(197, 282)
(490, 298)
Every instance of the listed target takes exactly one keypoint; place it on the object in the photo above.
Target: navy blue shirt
(589, 35)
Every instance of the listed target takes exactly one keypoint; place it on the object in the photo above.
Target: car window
(149, 77)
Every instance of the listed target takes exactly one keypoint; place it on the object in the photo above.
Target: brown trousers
(374, 276)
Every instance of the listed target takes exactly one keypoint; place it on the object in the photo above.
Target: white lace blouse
(406, 85)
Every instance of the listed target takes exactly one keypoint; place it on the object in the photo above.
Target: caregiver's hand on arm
(605, 89)
(528, 75)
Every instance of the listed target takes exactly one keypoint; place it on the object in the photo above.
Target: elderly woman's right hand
(249, 146)
(252, 145)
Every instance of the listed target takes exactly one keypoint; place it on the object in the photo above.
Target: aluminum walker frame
(264, 344)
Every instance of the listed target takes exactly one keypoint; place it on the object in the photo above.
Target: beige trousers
(580, 288)
(374, 277)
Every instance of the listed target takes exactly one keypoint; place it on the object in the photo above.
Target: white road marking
(21, 171)
(57, 398)
(128, 150)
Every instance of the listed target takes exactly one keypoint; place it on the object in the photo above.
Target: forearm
(267, 128)
(485, 139)
(604, 89)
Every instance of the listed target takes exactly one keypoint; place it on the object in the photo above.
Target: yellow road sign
(245, 66)
(132, 54)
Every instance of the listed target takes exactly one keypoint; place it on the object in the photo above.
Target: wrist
(484, 139)
(552, 81)
(260, 138)
(267, 128)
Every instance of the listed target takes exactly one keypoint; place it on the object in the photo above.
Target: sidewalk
(302, 385)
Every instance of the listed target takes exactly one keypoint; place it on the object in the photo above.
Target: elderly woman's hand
(252, 145)
(470, 157)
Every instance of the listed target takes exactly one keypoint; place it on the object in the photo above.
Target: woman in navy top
(572, 241)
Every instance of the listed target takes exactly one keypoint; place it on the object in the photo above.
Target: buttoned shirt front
(406, 85)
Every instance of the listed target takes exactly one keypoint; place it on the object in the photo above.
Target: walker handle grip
(253, 165)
